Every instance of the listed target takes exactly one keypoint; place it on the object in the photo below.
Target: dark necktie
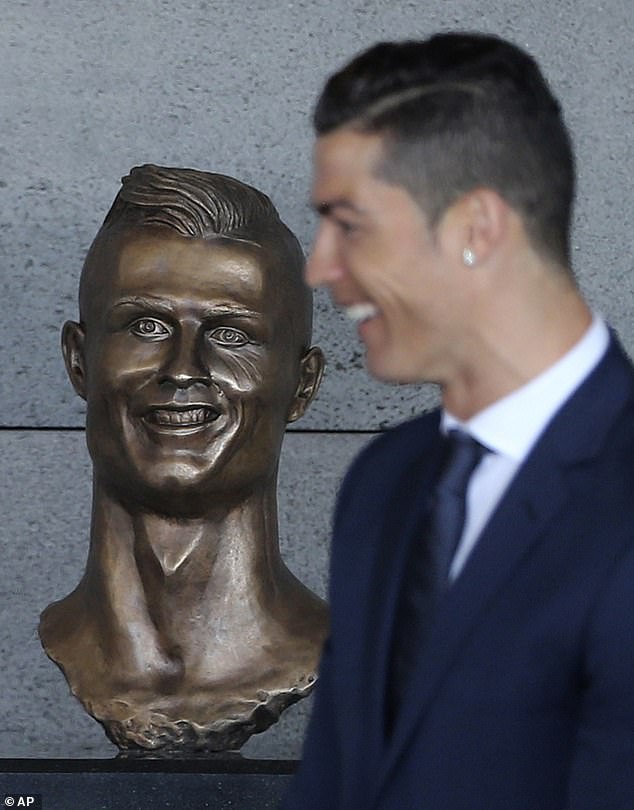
(427, 572)
(449, 510)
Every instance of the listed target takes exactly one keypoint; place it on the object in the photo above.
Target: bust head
(193, 347)
(187, 631)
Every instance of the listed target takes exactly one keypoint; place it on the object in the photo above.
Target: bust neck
(186, 621)
(225, 556)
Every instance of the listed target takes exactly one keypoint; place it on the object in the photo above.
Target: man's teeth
(361, 312)
(192, 416)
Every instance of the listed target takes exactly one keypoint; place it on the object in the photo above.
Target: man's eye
(150, 329)
(227, 336)
(346, 227)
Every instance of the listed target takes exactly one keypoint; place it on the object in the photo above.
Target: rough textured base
(155, 731)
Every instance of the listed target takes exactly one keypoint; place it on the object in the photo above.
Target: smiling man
(193, 353)
(481, 654)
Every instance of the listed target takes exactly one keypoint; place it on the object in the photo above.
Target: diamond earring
(468, 257)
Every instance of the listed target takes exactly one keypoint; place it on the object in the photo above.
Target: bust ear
(311, 370)
(73, 337)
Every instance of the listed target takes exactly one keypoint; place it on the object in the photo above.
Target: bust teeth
(361, 312)
(191, 416)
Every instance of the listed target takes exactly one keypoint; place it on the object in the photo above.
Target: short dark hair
(456, 112)
(205, 205)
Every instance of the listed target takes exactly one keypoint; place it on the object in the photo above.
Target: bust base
(145, 783)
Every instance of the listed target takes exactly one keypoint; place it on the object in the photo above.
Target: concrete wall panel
(91, 89)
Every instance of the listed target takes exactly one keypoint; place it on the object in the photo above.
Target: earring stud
(468, 257)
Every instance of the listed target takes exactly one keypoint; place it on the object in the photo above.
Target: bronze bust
(187, 632)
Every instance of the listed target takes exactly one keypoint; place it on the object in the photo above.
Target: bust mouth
(181, 419)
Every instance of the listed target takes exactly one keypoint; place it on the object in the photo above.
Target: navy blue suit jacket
(524, 699)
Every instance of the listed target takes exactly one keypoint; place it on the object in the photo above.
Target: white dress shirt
(511, 426)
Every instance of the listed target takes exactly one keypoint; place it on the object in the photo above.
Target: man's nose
(186, 364)
(324, 265)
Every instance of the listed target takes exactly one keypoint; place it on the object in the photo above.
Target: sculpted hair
(457, 112)
(191, 202)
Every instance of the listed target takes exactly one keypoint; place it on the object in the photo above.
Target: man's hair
(204, 205)
(457, 112)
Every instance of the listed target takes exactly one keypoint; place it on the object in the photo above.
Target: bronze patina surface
(187, 630)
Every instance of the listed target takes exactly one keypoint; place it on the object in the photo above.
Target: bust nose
(184, 380)
(185, 366)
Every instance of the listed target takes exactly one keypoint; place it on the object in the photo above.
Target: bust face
(191, 368)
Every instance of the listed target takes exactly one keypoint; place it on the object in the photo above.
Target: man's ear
(73, 338)
(477, 222)
(311, 370)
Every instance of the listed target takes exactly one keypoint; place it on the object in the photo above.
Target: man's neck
(515, 340)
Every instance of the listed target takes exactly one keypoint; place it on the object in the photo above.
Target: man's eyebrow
(326, 208)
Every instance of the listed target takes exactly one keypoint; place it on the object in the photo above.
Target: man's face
(376, 253)
(190, 372)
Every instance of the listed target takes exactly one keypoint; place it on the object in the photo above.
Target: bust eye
(150, 329)
(228, 336)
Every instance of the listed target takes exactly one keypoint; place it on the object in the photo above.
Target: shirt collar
(512, 425)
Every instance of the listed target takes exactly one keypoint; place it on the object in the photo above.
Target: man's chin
(394, 367)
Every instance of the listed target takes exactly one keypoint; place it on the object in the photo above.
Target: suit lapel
(522, 519)
(538, 493)
(403, 518)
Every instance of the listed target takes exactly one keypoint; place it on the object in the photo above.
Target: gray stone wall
(89, 89)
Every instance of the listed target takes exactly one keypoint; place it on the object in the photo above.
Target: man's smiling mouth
(361, 312)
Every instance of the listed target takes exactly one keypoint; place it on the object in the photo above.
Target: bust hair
(191, 202)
